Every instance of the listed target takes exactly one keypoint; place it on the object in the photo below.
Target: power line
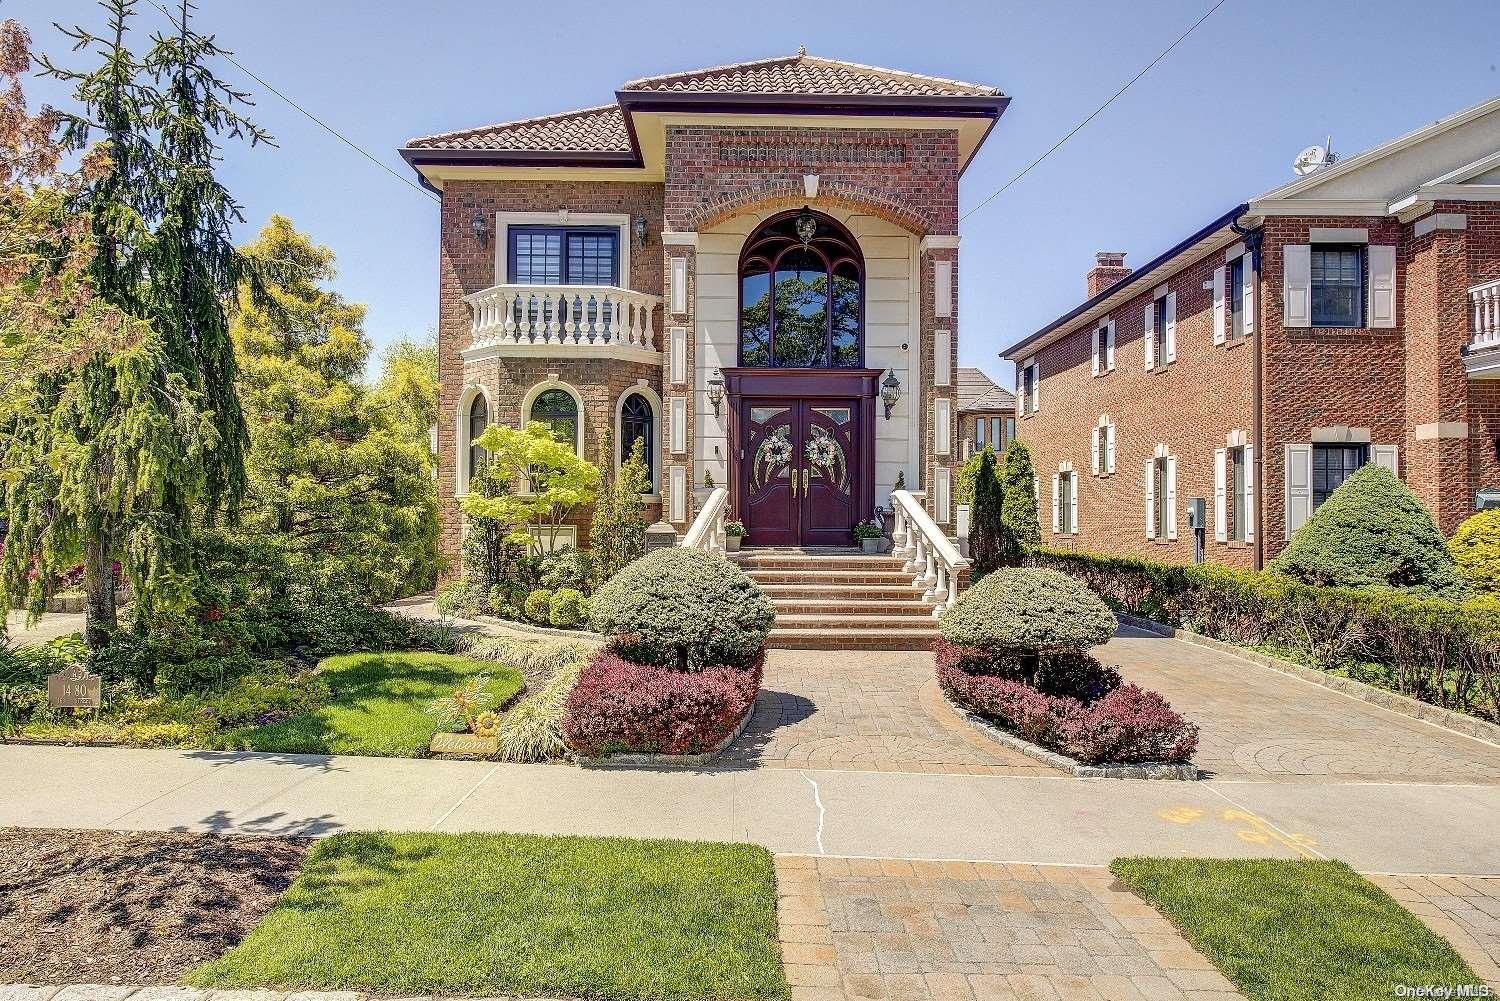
(314, 118)
(1079, 127)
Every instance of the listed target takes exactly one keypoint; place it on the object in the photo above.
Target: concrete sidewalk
(1390, 827)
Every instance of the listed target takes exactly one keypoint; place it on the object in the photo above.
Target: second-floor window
(1237, 297)
(994, 432)
(1338, 285)
(1160, 331)
(560, 255)
(1030, 390)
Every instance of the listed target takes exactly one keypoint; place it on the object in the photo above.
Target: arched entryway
(802, 404)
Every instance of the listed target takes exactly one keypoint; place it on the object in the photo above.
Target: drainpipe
(1252, 238)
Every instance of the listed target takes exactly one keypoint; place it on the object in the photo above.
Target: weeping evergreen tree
(118, 457)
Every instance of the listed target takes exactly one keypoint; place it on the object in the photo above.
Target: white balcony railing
(563, 317)
(1484, 306)
(931, 557)
(707, 529)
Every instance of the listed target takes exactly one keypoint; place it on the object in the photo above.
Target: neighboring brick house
(738, 265)
(986, 412)
(1350, 316)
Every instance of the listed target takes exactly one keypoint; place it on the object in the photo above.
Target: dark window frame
(1238, 514)
(1159, 480)
(576, 439)
(566, 233)
(1236, 274)
(1350, 458)
(647, 424)
(1159, 335)
(1360, 285)
(479, 419)
(763, 252)
(1067, 489)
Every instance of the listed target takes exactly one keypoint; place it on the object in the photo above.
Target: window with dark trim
(1028, 389)
(1159, 496)
(1101, 348)
(995, 432)
(563, 255)
(557, 409)
(1160, 334)
(1239, 504)
(479, 419)
(637, 423)
(1237, 297)
(1065, 488)
(802, 301)
(1332, 465)
(1338, 285)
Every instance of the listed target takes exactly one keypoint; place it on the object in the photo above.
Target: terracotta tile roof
(588, 130)
(805, 74)
(976, 391)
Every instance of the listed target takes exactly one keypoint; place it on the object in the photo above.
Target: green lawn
(1289, 930)
(481, 914)
(379, 706)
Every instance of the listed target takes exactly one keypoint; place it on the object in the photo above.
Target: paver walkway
(892, 930)
(1463, 909)
(1258, 723)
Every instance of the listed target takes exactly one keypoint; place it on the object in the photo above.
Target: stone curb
(665, 760)
(1461, 723)
(1150, 770)
(117, 992)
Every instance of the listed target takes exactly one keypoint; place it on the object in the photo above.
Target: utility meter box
(1195, 512)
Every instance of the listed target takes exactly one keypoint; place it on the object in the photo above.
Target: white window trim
(461, 469)
(644, 388)
(558, 217)
(553, 382)
(1104, 446)
(1065, 471)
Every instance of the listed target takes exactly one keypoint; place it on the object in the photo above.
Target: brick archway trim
(789, 194)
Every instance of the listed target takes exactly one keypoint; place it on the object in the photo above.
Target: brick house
(753, 268)
(1349, 316)
(986, 412)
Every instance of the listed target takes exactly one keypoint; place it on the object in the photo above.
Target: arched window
(479, 419)
(636, 424)
(802, 291)
(558, 410)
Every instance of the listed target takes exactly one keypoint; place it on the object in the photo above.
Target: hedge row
(1439, 651)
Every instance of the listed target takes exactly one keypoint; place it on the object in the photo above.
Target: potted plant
(734, 531)
(870, 535)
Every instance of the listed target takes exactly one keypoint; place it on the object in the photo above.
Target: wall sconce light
(481, 231)
(890, 393)
(638, 227)
(716, 391)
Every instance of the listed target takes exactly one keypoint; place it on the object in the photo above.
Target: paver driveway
(881, 711)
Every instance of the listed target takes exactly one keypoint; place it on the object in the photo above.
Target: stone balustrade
(1484, 307)
(562, 319)
(931, 557)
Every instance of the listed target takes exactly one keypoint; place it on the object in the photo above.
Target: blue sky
(1218, 121)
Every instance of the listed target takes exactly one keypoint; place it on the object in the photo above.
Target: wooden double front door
(805, 460)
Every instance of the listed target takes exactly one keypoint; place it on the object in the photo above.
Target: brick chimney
(1109, 267)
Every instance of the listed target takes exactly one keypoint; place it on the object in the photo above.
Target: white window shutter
(1385, 457)
(1247, 292)
(1073, 515)
(1297, 284)
(1171, 326)
(1171, 497)
(1020, 391)
(1382, 286)
(1221, 521)
(1097, 360)
(1219, 305)
(1150, 335)
(1249, 494)
(1098, 432)
(1150, 499)
(1109, 458)
(1109, 347)
(1298, 487)
(1056, 505)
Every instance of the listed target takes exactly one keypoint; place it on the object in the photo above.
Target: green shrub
(532, 657)
(1476, 550)
(991, 544)
(1028, 610)
(567, 607)
(684, 607)
(568, 568)
(1372, 532)
(532, 731)
(1018, 476)
(539, 605)
(968, 474)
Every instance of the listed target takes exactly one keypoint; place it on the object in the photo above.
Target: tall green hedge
(1372, 532)
(1018, 476)
(1433, 649)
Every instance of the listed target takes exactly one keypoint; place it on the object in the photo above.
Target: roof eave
(1013, 352)
(958, 105)
(423, 156)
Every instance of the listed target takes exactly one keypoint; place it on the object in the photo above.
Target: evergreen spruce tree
(991, 544)
(1018, 478)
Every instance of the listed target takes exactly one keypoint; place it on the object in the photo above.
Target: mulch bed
(140, 908)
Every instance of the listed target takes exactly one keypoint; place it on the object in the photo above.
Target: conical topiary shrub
(1018, 476)
(1372, 532)
(1476, 549)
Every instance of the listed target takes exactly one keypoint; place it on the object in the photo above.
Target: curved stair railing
(707, 530)
(931, 557)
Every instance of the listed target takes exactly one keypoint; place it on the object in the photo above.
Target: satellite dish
(1314, 159)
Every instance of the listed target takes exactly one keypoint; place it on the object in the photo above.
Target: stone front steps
(840, 600)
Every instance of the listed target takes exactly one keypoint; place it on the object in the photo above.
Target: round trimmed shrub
(567, 607)
(1476, 550)
(1372, 532)
(685, 608)
(1026, 611)
(539, 605)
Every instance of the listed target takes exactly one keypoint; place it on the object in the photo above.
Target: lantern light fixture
(716, 390)
(890, 393)
(481, 230)
(638, 227)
